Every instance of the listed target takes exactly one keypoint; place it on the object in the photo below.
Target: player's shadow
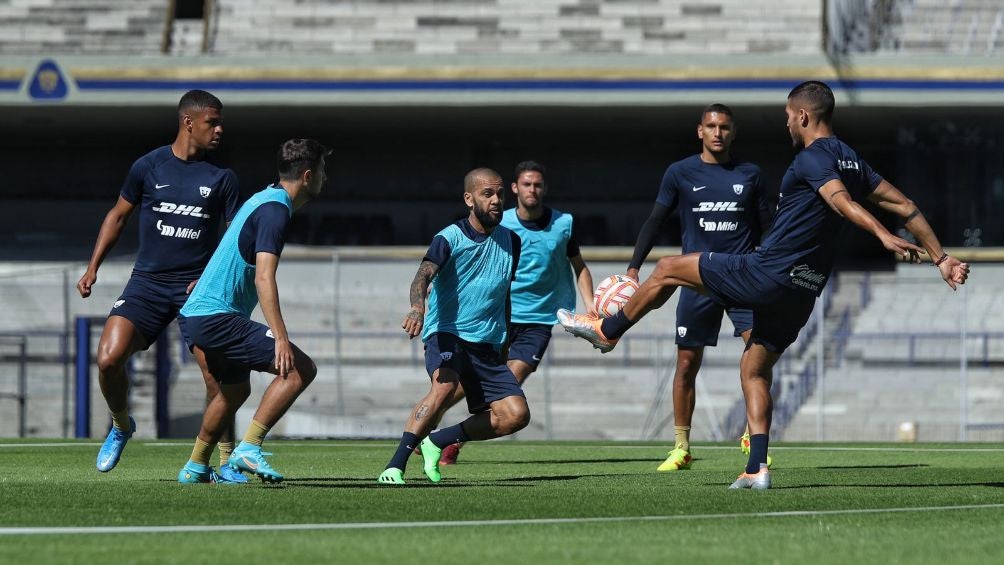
(889, 485)
(367, 483)
(571, 461)
(903, 466)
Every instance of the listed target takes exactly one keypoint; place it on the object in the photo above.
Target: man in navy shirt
(182, 200)
(723, 209)
(782, 279)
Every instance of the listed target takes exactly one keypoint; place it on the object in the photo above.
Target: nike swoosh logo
(160, 186)
(535, 357)
(248, 462)
(696, 188)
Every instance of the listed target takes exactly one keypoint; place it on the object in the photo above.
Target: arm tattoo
(420, 286)
(912, 215)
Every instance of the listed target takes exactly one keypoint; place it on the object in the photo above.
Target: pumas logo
(446, 355)
(738, 189)
(804, 276)
(172, 231)
(681, 331)
(709, 225)
(719, 207)
(180, 209)
(118, 303)
(205, 191)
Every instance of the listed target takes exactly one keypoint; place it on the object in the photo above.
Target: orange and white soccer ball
(612, 294)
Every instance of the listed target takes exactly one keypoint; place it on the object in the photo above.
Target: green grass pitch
(508, 502)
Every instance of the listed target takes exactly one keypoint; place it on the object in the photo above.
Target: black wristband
(912, 215)
(940, 260)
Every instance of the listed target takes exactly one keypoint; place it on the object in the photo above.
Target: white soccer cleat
(757, 481)
(586, 327)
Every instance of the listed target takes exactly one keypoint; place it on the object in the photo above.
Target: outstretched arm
(415, 318)
(111, 228)
(891, 199)
(646, 238)
(584, 282)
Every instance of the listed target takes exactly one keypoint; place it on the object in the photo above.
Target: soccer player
(783, 277)
(470, 265)
(217, 317)
(549, 254)
(182, 198)
(722, 209)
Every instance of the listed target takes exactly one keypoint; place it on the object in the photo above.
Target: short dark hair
(525, 166)
(717, 108)
(198, 101)
(297, 155)
(817, 97)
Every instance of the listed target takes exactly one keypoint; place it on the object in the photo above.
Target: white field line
(216, 528)
(33, 445)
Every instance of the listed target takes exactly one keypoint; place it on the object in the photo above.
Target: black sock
(409, 442)
(615, 326)
(446, 436)
(758, 453)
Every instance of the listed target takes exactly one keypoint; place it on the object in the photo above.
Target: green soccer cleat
(430, 456)
(678, 460)
(744, 445)
(391, 476)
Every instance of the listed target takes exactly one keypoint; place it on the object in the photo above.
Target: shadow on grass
(889, 485)
(356, 482)
(904, 466)
(563, 461)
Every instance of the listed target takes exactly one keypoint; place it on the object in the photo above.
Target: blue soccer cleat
(251, 459)
(230, 474)
(111, 449)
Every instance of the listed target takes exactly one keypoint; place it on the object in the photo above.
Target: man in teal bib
(217, 317)
(470, 266)
(549, 256)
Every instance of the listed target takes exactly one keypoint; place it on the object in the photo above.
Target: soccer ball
(612, 294)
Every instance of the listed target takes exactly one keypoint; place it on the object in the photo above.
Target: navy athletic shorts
(528, 342)
(779, 312)
(699, 318)
(150, 305)
(483, 373)
(233, 344)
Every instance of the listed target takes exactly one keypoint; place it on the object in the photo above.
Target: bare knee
(665, 269)
(307, 372)
(513, 420)
(110, 361)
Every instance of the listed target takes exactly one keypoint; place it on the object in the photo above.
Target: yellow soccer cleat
(678, 460)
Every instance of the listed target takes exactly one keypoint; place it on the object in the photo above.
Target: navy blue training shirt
(181, 206)
(264, 231)
(798, 250)
(720, 205)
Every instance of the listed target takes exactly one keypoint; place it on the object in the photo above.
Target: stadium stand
(481, 27)
(107, 27)
(959, 27)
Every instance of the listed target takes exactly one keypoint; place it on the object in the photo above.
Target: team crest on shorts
(446, 355)
(681, 331)
(205, 191)
(738, 188)
(268, 333)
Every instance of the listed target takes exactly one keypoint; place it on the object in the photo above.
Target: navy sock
(409, 442)
(758, 453)
(446, 436)
(615, 326)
